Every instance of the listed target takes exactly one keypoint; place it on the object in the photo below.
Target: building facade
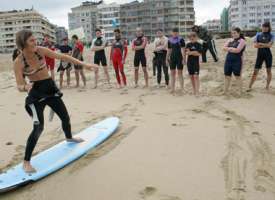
(108, 19)
(61, 33)
(152, 15)
(250, 14)
(13, 21)
(224, 20)
(85, 16)
(213, 25)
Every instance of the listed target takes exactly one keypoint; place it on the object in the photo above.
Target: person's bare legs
(83, 77)
(180, 77)
(105, 68)
(68, 73)
(227, 81)
(96, 78)
(173, 81)
(146, 76)
(239, 84)
(197, 84)
(269, 78)
(192, 79)
(136, 77)
(77, 77)
(61, 79)
(253, 79)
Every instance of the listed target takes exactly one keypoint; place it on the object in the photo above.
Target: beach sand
(166, 148)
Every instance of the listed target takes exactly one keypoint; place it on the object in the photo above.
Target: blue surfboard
(58, 156)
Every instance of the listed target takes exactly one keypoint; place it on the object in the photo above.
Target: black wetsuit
(233, 62)
(264, 54)
(99, 56)
(176, 57)
(193, 62)
(139, 57)
(44, 92)
(208, 44)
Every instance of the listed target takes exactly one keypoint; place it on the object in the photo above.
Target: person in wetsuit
(42, 90)
(65, 66)
(235, 48)
(78, 54)
(263, 42)
(208, 43)
(118, 56)
(98, 46)
(193, 52)
(160, 51)
(139, 45)
(176, 58)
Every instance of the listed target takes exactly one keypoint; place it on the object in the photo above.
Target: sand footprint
(151, 193)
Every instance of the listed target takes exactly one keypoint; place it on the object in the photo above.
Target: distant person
(138, 46)
(41, 91)
(118, 56)
(263, 42)
(50, 62)
(176, 58)
(193, 52)
(208, 43)
(235, 48)
(98, 46)
(78, 54)
(66, 49)
(160, 50)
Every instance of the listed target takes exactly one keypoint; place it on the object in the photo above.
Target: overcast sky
(56, 10)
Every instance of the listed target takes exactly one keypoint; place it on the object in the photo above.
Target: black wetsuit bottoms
(44, 93)
(209, 45)
(161, 65)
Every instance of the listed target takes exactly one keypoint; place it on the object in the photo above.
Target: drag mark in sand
(247, 155)
(151, 193)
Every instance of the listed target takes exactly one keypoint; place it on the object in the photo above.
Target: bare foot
(75, 140)
(172, 92)
(136, 86)
(28, 168)
(249, 90)
(145, 86)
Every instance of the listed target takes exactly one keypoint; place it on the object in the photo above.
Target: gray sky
(56, 10)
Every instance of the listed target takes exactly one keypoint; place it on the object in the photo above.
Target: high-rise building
(61, 33)
(152, 15)
(85, 16)
(108, 18)
(13, 21)
(250, 14)
(213, 25)
(224, 20)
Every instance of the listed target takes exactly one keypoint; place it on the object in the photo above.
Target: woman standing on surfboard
(41, 90)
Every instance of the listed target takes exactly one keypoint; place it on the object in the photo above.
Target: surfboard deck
(58, 156)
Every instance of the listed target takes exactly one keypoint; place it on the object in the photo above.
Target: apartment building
(225, 20)
(108, 18)
(60, 34)
(13, 21)
(152, 15)
(85, 16)
(250, 14)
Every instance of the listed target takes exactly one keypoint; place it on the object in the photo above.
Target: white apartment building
(85, 16)
(13, 21)
(213, 25)
(108, 19)
(250, 14)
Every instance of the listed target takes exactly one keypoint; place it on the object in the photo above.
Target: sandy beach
(167, 147)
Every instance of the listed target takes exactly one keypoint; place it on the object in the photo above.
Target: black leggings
(36, 111)
(209, 45)
(161, 64)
